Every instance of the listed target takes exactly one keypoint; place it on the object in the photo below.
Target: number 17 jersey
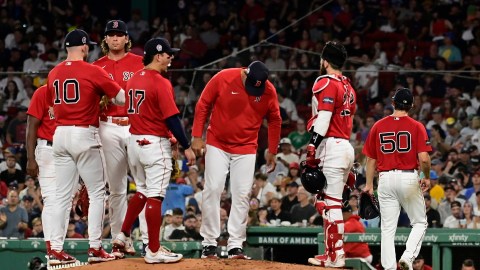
(395, 143)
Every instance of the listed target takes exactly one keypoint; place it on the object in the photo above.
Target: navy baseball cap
(116, 26)
(78, 37)
(257, 75)
(158, 45)
(403, 96)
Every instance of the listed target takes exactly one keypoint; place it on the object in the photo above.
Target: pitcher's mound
(194, 264)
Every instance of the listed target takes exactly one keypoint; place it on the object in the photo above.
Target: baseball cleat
(324, 261)
(237, 253)
(209, 252)
(404, 264)
(99, 255)
(55, 257)
(117, 253)
(163, 255)
(123, 244)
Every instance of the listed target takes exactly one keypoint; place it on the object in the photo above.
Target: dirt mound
(194, 264)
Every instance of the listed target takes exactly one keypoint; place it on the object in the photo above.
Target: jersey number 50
(391, 142)
(135, 95)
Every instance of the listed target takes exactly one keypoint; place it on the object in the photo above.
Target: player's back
(76, 88)
(397, 142)
(149, 100)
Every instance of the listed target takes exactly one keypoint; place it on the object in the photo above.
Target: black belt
(404, 171)
(49, 143)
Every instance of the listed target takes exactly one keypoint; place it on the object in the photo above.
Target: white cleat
(163, 255)
(405, 264)
(324, 261)
(123, 244)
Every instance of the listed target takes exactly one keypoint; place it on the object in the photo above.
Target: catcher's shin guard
(323, 206)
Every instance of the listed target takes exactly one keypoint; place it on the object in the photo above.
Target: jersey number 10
(67, 97)
(139, 97)
(391, 142)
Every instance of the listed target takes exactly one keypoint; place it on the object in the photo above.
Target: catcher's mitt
(368, 207)
(83, 202)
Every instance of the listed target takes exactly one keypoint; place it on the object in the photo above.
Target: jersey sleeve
(422, 139)
(369, 149)
(274, 123)
(325, 92)
(166, 101)
(108, 86)
(205, 104)
(37, 104)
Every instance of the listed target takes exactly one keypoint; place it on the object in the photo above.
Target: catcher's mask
(313, 179)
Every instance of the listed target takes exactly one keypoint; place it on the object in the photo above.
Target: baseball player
(114, 125)
(236, 100)
(394, 147)
(153, 116)
(40, 129)
(333, 108)
(76, 87)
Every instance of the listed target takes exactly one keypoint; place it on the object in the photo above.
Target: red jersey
(355, 250)
(75, 87)
(120, 71)
(42, 111)
(395, 143)
(334, 93)
(149, 101)
(236, 117)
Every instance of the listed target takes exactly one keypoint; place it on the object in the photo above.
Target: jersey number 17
(135, 96)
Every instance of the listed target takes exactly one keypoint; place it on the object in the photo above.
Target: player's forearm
(370, 171)
(202, 110)
(274, 130)
(119, 98)
(173, 123)
(31, 141)
(424, 159)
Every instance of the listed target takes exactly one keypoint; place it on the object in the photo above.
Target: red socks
(47, 244)
(135, 206)
(153, 210)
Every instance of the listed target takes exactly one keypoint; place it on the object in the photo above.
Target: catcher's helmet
(313, 179)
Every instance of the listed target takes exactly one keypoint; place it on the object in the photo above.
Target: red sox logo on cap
(115, 24)
(84, 40)
(258, 83)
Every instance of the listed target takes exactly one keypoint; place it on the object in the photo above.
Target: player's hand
(425, 184)
(270, 162)
(190, 155)
(311, 161)
(32, 167)
(174, 145)
(368, 189)
(198, 146)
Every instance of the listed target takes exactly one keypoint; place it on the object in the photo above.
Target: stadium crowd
(430, 47)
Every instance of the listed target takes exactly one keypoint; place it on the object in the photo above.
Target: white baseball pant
(400, 189)
(217, 165)
(115, 139)
(150, 165)
(78, 151)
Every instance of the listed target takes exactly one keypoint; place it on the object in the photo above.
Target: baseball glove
(83, 202)
(368, 207)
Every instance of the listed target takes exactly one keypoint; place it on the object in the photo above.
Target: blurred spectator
(303, 210)
(32, 211)
(13, 217)
(17, 128)
(33, 63)
(280, 167)
(353, 203)
(31, 190)
(300, 137)
(476, 204)
(166, 220)
(177, 191)
(294, 173)
(468, 264)
(456, 219)
(275, 63)
(177, 223)
(366, 83)
(445, 206)
(262, 216)
(37, 228)
(266, 191)
(71, 233)
(12, 174)
(189, 232)
(253, 212)
(137, 26)
(276, 213)
(448, 50)
(286, 155)
(433, 217)
(419, 264)
(290, 199)
(353, 225)
(286, 103)
(471, 221)
(13, 97)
